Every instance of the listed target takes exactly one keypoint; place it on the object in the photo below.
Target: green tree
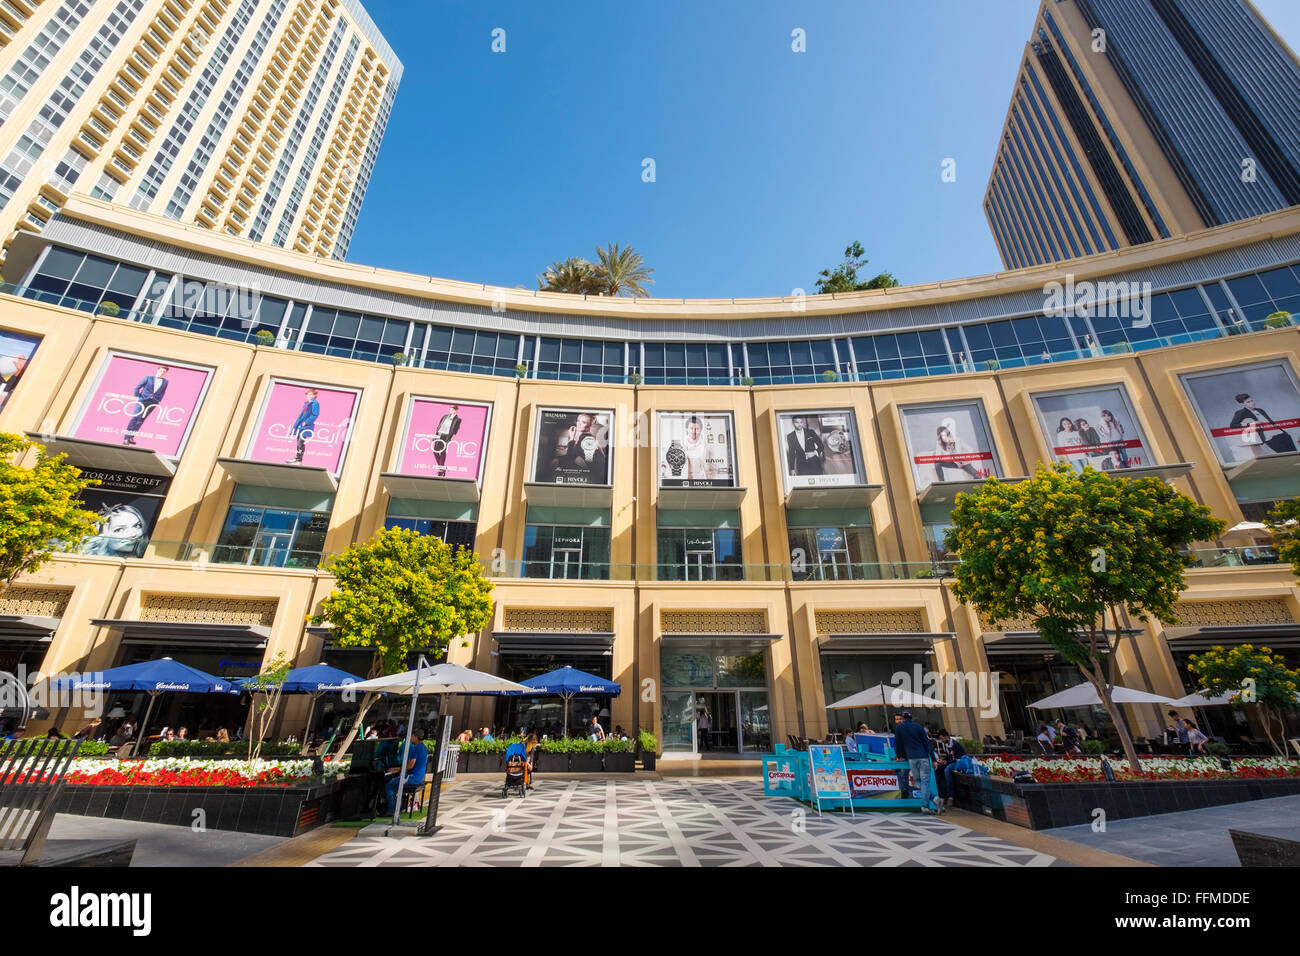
(266, 689)
(1284, 522)
(40, 512)
(402, 592)
(622, 271)
(1070, 551)
(574, 275)
(1253, 676)
(844, 277)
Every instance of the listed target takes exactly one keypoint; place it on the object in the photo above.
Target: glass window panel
(823, 354)
(778, 356)
(1280, 283)
(485, 345)
(462, 343)
(571, 351)
(674, 355)
(62, 263)
(909, 344)
(654, 356)
(978, 337)
(717, 358)
(395, 333)
(1248, 290)
(95, 271)
(886, 347)
(322, 320)
(1187, 302)
(549, 351)
(695, 357)
(371, 330)
(1001, 334)
(613, 356)
(127, 281)
(800, 354)
(864, 349)
(270, 312)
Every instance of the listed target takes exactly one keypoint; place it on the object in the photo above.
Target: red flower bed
(178, 778)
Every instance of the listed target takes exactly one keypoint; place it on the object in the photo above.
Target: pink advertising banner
(146, 402)
(304, 424)
(444, 439)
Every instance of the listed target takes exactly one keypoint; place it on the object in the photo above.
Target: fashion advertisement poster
(15, 352)
(1093, 426)
(949, 442)
(1249, 411)
(144, 402)
(819, 449)
(572, 446)
(696, 449)
(304, 424)
(127, 507)
(444, 439)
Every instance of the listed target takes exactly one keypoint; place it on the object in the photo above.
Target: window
(566, 551)
(700, 554)
(272, 537)
(833, 553)
(450, 532)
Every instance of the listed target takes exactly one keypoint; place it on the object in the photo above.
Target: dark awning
(1232, 635)
(1167, 472)
(27, 627)
(554, 642)
(881, 642)
(172, 632)
(271, 475)
(946, 492)
(700, 499)
(426, 488)
(833, 496)
(1284, 465)
(102, 455)
(721, 642)
(568, 495)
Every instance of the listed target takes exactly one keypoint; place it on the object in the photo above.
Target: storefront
(1030, 669)
(525, 654)
(716, 693)
(855, 662)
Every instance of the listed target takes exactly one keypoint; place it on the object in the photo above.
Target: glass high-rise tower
(1133, 120)
(259, 118)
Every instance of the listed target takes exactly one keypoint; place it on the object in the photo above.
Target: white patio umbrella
(1085, 695)
(435, 679)
(883, 695)
(1247, 526)
(1200, 700)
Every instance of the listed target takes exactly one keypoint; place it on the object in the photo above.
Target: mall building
(733, 506)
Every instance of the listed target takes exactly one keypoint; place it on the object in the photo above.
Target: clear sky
(767, 162)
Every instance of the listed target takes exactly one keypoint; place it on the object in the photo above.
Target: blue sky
(767, 162)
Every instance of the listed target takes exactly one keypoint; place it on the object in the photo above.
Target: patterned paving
(670, 822)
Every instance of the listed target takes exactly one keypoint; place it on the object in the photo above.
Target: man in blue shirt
(417, 762)
(910, 739)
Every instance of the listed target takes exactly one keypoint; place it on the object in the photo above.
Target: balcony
(1232, 557)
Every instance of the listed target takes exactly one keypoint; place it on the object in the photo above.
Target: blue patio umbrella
(567, 682)
(316, 680)
(153, 678)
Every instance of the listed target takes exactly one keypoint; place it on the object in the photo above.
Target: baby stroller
(516, 771)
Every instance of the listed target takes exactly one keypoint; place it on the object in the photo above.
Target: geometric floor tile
(670, 822)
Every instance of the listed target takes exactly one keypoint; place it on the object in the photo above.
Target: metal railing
(717, 572)
(1232, 557)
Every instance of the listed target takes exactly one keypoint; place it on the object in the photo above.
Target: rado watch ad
(696, 449)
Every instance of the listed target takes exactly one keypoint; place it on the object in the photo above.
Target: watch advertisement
(819, 449)
(572, 446)
(696, 449)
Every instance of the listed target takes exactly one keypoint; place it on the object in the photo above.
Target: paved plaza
(670, 822)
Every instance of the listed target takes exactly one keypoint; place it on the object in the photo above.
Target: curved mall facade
(751, 530)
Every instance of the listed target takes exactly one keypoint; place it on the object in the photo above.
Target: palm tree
(574, 275)
(622, 272)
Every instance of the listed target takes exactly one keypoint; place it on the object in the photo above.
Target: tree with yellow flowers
(1253, 676)
(1071, 552)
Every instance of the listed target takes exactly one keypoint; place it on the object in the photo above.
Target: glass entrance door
(679, 722)
(271, 549)
(716, 721)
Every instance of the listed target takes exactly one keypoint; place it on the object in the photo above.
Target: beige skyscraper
(259, 118)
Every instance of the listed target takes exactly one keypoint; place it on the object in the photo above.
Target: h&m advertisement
(304, 424)
(949, 442)
(444, 439)
(127, 506)
(16, 351)
(819, 449)
(1093, 426)
(1249, 411)
(146, 402)
(572, 446)
(696, 449)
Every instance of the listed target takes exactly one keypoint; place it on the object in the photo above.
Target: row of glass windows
(88, 283)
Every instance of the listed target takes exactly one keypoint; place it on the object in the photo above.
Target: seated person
(416, 764)
(850, 743)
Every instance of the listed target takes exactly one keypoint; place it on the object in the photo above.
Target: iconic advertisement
(304, 424)
(15, 352)
(696, 449)
(1093, 426)
(444, 439)
(145, 402)
(1249, 411)
(949, 442)
(572, 446)
(819, 449)
(127, 506)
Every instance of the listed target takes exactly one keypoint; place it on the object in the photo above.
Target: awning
(881, 642)
(568, 495)
(172, 632)
(1167, 472)
(1016, 642)
(426, 488)
(554, 642)
(98, 454)
(1284, 465)
(1231, 635)
(721, 642)
(27, 627)
(833, 496)
(946, 492)
(269, 475)
(700, 499)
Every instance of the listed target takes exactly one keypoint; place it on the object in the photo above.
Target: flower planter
(648, 760)
(584, 763)
(544, 761)
(620, 762)
(465, 762)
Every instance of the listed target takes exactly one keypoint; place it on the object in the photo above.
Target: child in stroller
(516, 771)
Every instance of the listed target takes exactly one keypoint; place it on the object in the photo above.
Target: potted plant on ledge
(648, 747)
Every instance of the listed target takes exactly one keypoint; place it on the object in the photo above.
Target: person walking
(920, 754)
(703, 726)
(900, 753)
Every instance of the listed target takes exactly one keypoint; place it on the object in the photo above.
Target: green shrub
(89, 748)
(972, 747)
(613, 745)
(221, 748)
(559, 745)
(992, 365)
(1277, 320)
(830, 375)
(109, 308)
(634, 378)
(497, 746)
(399, 358)
(746, 381)
(1120, 347)
(1094, 747)
(264, 337)
(1217, 749)
(647, 742)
